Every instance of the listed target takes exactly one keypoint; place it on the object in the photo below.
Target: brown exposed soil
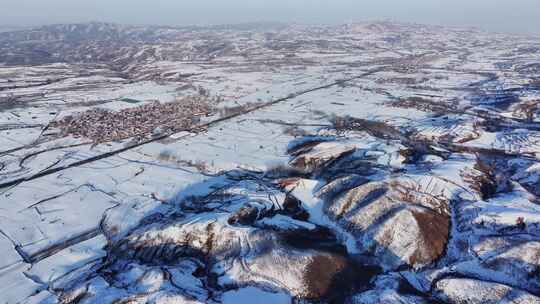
(377, 129)
(247, 215)
(483, 181)
(293, 207)
(303, 148)
(317, 165)
(434, 230)
(332, 278)
(321, 273)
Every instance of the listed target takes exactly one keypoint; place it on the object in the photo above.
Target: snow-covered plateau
(362, 163)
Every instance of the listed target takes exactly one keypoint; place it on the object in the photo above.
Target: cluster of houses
(102, 125)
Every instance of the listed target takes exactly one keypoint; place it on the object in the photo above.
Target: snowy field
(361, 163)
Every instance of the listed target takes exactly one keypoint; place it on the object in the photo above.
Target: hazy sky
(498, 15)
